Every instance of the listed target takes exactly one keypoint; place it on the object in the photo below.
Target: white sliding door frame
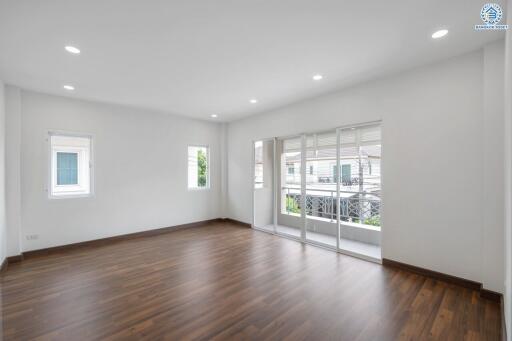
(303, 190)
(303, 200)
(338, 177)
(274, 189)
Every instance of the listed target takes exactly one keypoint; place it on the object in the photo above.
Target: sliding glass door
(320, 181)
(290, 212)
(360, 190)
(324, 188)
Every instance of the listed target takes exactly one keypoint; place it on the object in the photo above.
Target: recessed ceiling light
(317, 77)
(214, 115)
(69, 87)
(439, 34)
(253, 101)
(72, 49)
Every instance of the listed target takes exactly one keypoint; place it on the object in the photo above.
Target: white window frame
(208, 168)
(69, 191)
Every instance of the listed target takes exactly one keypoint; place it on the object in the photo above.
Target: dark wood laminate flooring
(223, 281)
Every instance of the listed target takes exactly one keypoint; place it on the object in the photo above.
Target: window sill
(199, 189)
(70, 196)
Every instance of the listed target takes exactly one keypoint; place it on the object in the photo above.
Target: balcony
(359, 217)
(356, 207)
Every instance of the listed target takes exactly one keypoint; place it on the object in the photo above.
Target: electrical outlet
(32, 236)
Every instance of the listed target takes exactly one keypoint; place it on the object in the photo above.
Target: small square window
(198, 167)
(70, 167)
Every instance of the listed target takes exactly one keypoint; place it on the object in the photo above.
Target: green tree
(201, 168)
(291, 205)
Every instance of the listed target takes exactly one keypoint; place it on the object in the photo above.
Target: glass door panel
(289, 208)
(360, 190)
(321, 173)
(264, 185)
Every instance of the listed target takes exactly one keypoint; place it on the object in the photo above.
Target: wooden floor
(223, 281)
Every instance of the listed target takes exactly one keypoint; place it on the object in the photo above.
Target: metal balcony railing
(359, 207)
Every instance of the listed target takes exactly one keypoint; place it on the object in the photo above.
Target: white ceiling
(203, 57)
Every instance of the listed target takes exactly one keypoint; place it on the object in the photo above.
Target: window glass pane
(198, 167)
(67, 168)
(201, 167)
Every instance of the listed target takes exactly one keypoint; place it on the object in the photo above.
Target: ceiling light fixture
(72, 49)
(253, 101)
(214, 115)
(317, 77)
(439, 34)
(69, 87)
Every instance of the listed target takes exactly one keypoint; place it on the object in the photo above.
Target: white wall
(140, 171)
(3, 228)
(508, 175)
(13, 168)
(493, 168)
(223, 170)
(433, 172)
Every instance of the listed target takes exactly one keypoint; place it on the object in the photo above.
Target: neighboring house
(359, 188)
(323, 172)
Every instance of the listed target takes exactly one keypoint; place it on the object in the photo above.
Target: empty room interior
(255, 170)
